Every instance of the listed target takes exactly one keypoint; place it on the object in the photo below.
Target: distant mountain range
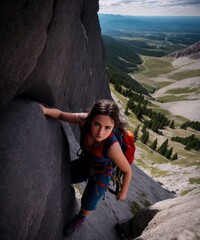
(193, 51)
(149, 23)
(173, 33)
(127, 38)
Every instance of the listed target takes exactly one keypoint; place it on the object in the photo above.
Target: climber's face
(101, 127)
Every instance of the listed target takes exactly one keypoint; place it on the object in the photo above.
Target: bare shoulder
(116, 154)
(114, 150)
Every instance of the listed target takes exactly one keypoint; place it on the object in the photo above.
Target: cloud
(148, 2)
(185, 2)
(151, 7)
(173, 3)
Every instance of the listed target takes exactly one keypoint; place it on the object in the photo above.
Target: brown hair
(108, 108)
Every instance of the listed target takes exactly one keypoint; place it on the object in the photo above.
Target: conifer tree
(188, 140)
(119, 89)
(137, 108)
(129, 93)
(147, 137)
(174, 157)
(136, 133)
(144, 137)
(155, 126)
(163, 148)
(172, 124)
(123, 92)
(116, 85)
(144, 126)
(130, 103)
(168, 153)
(126, 109)
(154, 144)
(184, 125)
(139, 114)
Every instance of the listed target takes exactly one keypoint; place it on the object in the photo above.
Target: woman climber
(101, 151)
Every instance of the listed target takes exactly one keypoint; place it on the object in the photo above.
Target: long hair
(107, 108)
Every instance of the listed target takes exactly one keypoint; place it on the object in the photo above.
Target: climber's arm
(78, 118)
(116, 154)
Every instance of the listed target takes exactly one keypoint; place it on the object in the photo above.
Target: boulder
(173, 219)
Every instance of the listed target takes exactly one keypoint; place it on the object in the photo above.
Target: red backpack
(128, 146)
(127, 143)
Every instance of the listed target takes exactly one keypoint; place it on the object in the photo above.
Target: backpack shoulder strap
(111, 140)
(118, 135)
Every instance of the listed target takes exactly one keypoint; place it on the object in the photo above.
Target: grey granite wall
(51, 52)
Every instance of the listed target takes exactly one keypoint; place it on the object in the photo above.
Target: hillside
(193, 51)
(120, 55)
(121, 60)
(173, 175)
(177, 87)
(175, 84)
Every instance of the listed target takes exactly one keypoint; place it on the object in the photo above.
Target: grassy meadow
(150, 161)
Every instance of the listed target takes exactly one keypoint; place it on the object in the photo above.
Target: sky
(151, 7)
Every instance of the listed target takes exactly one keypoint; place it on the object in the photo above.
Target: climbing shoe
(76, 222)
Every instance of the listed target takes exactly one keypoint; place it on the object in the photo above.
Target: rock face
(36, 197)
(192, 51)
(175, 219)
(51, 52)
